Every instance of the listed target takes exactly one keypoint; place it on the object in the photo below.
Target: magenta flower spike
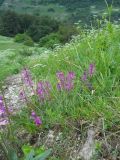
(37, 121)
(26, 76)
(22, 95)
(84, 77)
(43, 90)
(3, 114)
(65, 82)
(33, 114)
(91, 69)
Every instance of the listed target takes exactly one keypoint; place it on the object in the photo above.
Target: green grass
(100, 47)
(12, 56)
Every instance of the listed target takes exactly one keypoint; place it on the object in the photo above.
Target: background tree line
(39, 29)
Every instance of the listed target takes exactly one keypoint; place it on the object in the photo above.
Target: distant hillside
(70, 10)
(1, 2)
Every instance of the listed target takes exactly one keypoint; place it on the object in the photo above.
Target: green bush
(25, 39)
(66, 32)
(29, 42)
(50, 40)
(20, 38)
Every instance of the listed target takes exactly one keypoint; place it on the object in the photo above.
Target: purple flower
(33, 114)
(22, 95)
(43, 90)
(65, 82)
(3, 114)
(60, 76)
(84, 77)
(91, 69)
(59, 86)
(37, 121)
(2, 107)
(71, 76)
(26, 76)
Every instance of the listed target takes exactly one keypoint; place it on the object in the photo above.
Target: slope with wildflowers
(75, 88)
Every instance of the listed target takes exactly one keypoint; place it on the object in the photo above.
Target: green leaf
(30, 156)
(12, 155)
(39, 150)
(44, 155)
(26, 149)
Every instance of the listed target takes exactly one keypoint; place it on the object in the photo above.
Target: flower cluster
(88, 74)
(43, 90)
(22, 95)
(3, 114)
(36, 119)
(26, 77)
(65, 82)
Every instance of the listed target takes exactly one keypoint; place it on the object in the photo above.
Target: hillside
(91, 100)
(59, 80)
(71, 11)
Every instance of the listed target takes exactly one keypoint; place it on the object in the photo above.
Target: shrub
(24, 38)
(29, 42)
(50, 40)
(66, 32)
(20, 38)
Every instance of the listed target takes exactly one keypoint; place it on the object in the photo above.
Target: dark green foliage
(63, 35)
(42, 27)
(10, 24)
(24, 38)
(29, 42)
(66, 32)
(1, 2)
(36, 27)
(50, 40)
(21, 37)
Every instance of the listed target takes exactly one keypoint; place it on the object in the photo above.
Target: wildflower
(59, 86)
(22, 95)
(26, 76)
(3, 114)
(69, 81)
(65, 82)
(36, 119)
(2, 107)
(33, 114)
(91, 69)
(84, 77)
(60, 76)
(43, 90)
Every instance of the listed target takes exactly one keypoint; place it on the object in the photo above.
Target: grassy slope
(11, 58)
(99, 47)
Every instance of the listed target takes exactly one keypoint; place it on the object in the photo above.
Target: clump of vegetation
(29, 29)
(36, 27)
(86, 88)
(25, 39)
(50, 40)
